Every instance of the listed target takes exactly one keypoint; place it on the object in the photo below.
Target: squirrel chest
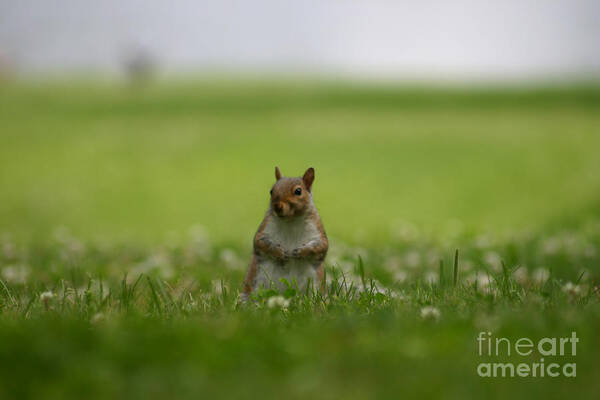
(290, 235)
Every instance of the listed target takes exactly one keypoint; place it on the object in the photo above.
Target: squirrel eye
(298, 191)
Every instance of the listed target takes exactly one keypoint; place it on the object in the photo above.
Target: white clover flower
(397, 295)
(404, 231)
(71, 246)
(412, 259)
(347, 267)
(217, 287)
(400, 276)
(97, 318)
(571, 289)
(466, 265)
(230, 259)
(483, 241)
(199, 245)
(483, 280)
(521, 275)
(158, 262)
(484, 284)
(372, 286)
(431, 277)
(46, 296)
(551, 245)
(493, 259)
(540, 275)
(430, 313)
(432, 257)
(469, 279)
(378, 287)
(8, 248)
(278, 302)
(15, 273)
(392, 263)
(198, 234)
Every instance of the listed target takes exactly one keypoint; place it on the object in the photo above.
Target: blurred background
(430, 40)
(139, 120)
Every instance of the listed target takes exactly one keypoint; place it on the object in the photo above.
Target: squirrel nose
(278, 207)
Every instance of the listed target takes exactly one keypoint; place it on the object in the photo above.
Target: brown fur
(321, 276)
(284, 201)
(250, 276)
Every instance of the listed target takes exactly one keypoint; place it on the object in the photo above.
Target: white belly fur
(290, 235)
(297, 272)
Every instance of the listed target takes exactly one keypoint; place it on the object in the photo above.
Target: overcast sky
(430, 39)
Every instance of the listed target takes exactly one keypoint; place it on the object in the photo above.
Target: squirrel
(291, 242)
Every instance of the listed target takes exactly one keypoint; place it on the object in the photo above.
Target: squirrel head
(291, 197)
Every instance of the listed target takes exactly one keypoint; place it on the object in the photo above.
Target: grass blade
(456, 267)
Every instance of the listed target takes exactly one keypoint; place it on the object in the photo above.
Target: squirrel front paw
(297, 252)
(280, 253)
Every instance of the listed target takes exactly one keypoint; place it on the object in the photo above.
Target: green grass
(115, 162)
(126, 219)
(126, 322)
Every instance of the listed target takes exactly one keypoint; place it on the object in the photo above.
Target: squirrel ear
(277, 173)
(308, 178)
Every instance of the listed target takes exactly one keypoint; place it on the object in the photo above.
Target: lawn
(127, 214)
